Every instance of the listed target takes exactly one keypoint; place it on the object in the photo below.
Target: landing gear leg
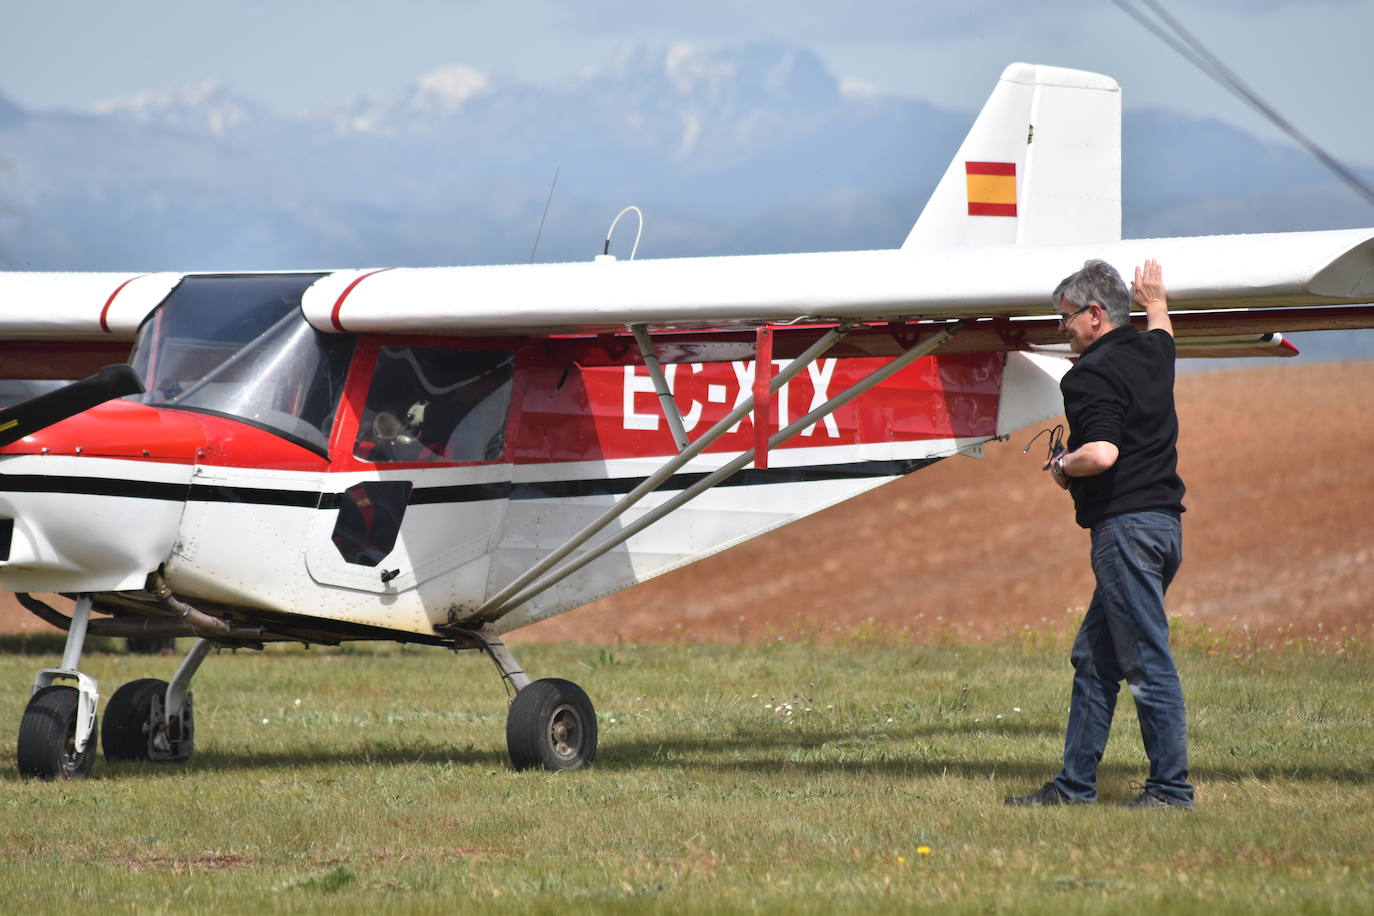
(551, 723)
(57, 732)
(505, 662)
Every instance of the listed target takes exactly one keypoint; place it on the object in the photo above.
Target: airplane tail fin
(1041, 165)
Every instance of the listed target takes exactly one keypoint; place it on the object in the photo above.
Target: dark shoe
(1148, 799)
(1045, 795)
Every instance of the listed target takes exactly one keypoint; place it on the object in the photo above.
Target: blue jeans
(1125, 636)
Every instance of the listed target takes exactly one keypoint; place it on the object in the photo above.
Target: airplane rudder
(1065, 123)
(974, 202)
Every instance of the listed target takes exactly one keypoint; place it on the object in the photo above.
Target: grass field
(786, 777)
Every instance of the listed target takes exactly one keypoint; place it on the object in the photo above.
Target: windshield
(238, 346)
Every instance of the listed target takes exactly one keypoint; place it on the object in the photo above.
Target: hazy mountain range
(728, 150)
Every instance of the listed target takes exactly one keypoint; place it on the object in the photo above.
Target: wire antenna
(548, 201)
(606, 246)
(1192, 49)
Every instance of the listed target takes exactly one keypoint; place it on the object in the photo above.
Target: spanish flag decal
(991, 188)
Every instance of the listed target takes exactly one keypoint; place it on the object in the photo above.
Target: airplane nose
(92, 503)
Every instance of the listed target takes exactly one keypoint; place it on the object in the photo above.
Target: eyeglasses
(1065, 319)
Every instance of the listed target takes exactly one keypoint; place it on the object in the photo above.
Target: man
(1121, 468)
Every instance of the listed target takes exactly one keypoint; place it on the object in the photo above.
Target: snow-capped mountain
(206, 107)
(436, 98)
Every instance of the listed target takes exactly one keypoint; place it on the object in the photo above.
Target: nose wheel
(146, 719)
(57, 732)
(49, 746)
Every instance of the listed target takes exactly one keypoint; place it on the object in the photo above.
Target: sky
(1308, 58)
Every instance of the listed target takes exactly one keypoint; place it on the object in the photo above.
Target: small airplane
(444, 455)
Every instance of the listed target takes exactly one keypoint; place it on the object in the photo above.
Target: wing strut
(671, 414)
(526, 587)
(763, 403)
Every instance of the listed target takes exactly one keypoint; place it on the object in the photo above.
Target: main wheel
(128, 720)
(47, 737)
(551, 724)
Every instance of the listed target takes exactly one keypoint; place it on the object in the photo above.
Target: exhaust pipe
(202, 623)
(157, 627)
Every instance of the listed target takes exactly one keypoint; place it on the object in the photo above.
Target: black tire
(551, 724)
(124, 735)
(47, 737)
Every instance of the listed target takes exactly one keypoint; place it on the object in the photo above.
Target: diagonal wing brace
(543, 575)
(495, 607)
(671, 415)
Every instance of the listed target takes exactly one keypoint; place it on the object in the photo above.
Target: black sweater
(1121, 391)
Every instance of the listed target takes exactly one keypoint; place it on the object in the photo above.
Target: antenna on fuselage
(553, 184)
(606, 246)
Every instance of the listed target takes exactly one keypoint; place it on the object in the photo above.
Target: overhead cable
(1185, 44)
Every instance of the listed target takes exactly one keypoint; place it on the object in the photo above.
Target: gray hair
(1097, 282)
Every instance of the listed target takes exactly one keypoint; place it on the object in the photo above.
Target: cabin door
(419, 476)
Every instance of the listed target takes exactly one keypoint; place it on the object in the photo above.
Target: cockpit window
(238, 346)
(430, 404)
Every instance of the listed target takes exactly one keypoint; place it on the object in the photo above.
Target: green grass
(787, 777)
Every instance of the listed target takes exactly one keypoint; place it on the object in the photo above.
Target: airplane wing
(87, 306)
(69, 325)
(1220, 287)
(1214, 272)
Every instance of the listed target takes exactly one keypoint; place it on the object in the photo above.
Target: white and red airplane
(444, 455)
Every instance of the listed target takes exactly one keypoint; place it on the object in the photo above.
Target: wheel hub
(565, 732)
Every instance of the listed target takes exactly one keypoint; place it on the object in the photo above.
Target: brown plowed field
(1279, 537)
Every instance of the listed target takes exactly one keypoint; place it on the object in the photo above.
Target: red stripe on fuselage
(601, 413)
(123, 429)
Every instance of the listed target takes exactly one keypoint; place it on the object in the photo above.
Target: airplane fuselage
(349, 485)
